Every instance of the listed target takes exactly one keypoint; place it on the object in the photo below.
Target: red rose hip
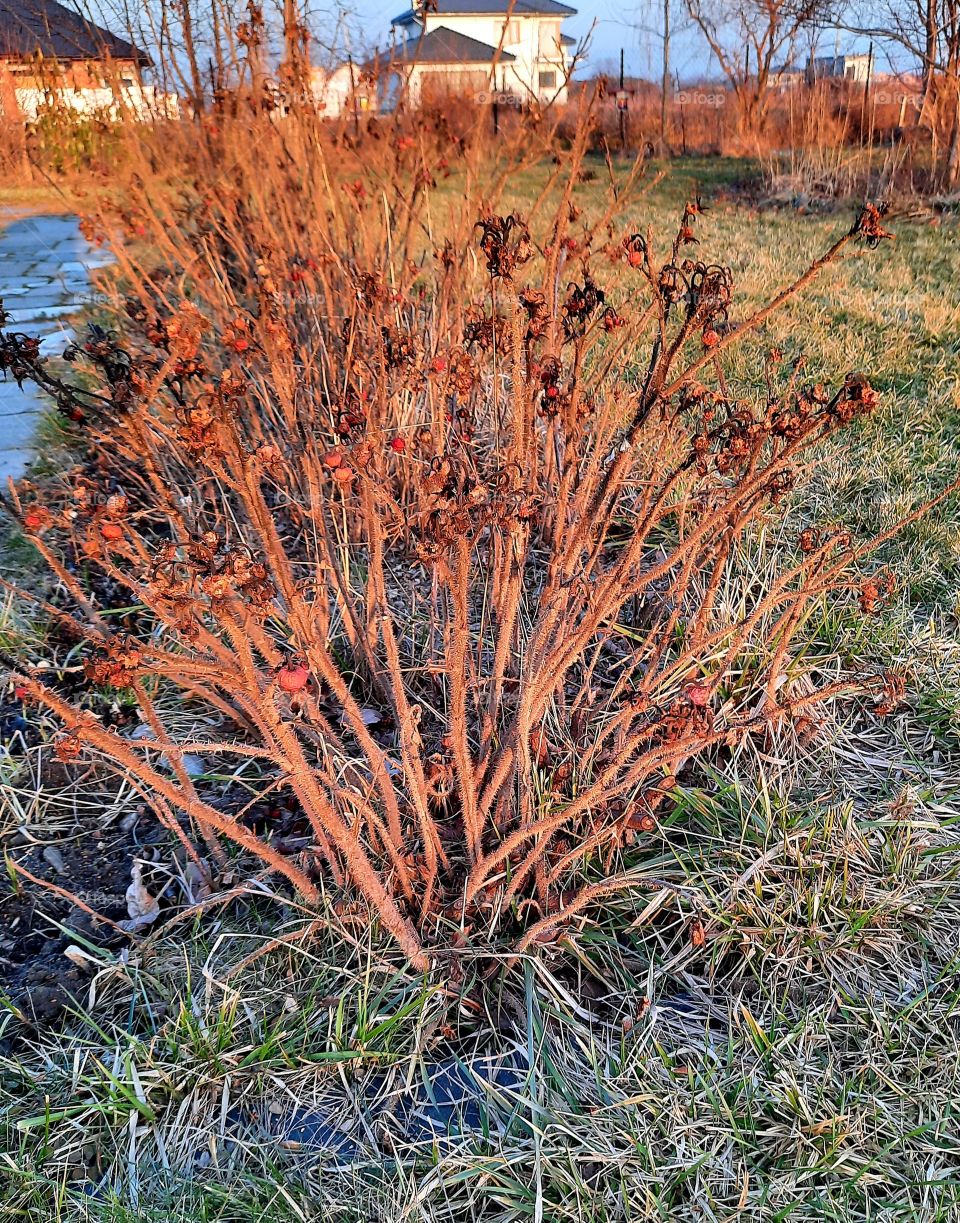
(293, 676)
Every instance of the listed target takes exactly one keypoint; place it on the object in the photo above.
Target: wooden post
(665, 79)
(353, 95)
(621, 112)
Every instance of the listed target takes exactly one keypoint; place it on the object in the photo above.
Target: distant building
(847, 67)
(787, 76)
(51, 54)
(856, 68)
(336, 90)
(468, 48)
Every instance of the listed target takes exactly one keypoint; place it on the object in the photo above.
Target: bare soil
(38, 925)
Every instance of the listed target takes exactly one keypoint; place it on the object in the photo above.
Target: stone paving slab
(13, 402)
(13, 270)
(17, 431)
(32, 318)
(16, 292)
(55, 345)
(45, 266)
(13, 463)
(41, 296)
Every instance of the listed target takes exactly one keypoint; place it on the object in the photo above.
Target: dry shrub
(830, 136)
(428, 509)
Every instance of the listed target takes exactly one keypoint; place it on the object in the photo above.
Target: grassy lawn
(17, 201)
(800, 1061)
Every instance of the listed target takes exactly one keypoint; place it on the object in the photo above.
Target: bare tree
(750, 39)
(930, 31)
(662, 21)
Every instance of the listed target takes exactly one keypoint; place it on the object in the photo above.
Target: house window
(511, 33)
(548, 80)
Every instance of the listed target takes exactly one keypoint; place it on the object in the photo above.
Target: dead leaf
(82, 959)
(197, 876)
(143, 908)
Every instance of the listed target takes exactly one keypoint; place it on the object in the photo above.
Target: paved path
(45, 266)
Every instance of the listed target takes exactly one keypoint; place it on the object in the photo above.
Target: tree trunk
(295, 50)
(952, 168)
(189, 49)
(931, 37)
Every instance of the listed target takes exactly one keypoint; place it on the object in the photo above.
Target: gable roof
(440, 46)
(470, 8)
(29, 27)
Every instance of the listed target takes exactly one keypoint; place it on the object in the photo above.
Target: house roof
(440, 46)
(470, 8)
(28, 27)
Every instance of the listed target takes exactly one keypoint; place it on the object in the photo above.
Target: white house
(477, 49)
(51, 55)
(336, 90)
(857, 68)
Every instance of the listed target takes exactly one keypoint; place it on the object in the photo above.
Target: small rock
(53, 857)
(129, 820)
(193, 765)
